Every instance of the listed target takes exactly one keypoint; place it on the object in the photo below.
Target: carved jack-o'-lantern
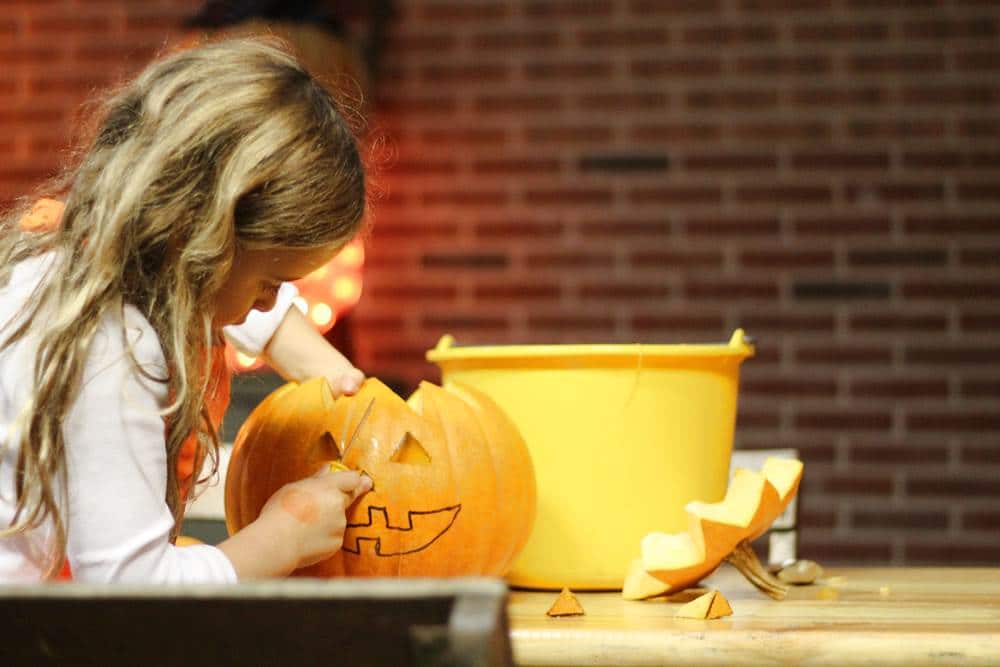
(454, 488)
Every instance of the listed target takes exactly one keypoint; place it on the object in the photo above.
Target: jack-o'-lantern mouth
(421, 530)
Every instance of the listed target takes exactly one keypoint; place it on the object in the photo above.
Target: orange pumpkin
(454, 488)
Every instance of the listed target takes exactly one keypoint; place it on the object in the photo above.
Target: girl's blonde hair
(231, 144)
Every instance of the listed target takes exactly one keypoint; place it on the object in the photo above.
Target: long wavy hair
(229, 144)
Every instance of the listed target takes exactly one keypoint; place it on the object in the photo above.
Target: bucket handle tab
(742, 342)
(446, 342)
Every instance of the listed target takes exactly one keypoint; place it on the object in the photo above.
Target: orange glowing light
(245, 360)
(320, 273)
(321, 314)
(353, 255)
(347, 289)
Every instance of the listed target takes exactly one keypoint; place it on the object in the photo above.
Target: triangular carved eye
(327, 449)
(409, 450)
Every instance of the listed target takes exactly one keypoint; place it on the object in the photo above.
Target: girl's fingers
(363, 487)
(324, 470)
(350, 482)
(350, 382)
(346, 480)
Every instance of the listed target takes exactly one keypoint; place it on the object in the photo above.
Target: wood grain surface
(851, 616)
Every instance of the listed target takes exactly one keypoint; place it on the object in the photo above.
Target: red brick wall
(824, 173)
(54, 55)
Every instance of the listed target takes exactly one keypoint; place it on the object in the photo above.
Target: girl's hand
(310, 515)
(298, 352)
(301, 524)
(345, 382)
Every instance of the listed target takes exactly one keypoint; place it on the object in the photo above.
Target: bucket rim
(740, 346)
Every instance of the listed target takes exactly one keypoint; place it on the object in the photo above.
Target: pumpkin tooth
(640, 584)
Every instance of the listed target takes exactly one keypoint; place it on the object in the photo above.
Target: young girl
(218, 176)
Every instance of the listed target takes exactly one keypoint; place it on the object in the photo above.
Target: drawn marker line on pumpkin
(356, 539)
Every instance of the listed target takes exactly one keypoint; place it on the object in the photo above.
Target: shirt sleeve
(118, 520)
(252, 336)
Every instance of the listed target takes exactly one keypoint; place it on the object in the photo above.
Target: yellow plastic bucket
(621, 437)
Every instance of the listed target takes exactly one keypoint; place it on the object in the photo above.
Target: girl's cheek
(233, 310)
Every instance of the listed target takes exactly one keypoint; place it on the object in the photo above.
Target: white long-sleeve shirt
(118, 521)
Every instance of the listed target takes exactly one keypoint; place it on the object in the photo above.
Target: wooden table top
(851, 616)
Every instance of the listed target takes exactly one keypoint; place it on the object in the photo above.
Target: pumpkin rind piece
(640, 584)
(713, 530)
(709, 606)
(783, 476)
(716, 530)
(566, 604)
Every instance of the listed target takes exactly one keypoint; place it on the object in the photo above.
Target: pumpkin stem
(744, 559)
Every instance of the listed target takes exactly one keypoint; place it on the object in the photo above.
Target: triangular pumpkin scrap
(712, 604)
(566, 605)
(685, 595)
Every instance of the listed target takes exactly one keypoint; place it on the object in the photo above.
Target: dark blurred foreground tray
(430, 622)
